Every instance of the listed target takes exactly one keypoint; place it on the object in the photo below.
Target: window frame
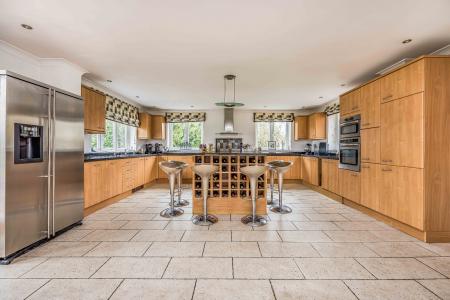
(185, 134)
(288, 135)
(130, 139)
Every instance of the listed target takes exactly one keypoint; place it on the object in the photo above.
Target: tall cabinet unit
(405, 149)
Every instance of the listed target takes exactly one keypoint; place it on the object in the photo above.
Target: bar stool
(180, 202)
(281, 167)
(253, 172)
(204, 171)
(172, 169)
(272, 165)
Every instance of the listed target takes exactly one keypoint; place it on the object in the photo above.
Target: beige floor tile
(304, 236)
(229, 225)
(102, 224)
(156, 209)
(135, 217)
(126, 210)
(399, 249)
(100, 217)
(361, 225)
(316, 225)
(207, 236)
(231, 249)
(76, 289)
(332, 268)
(266, 268)
(255, 236)
(337, 249)
(158, 236)
(145, 225)
(184, 217)
(72, 235)
(199, 267)
(442, 249)
(12, 289)
(110, 235)
(389, 289)
(440, 287)
(288, 217)
(398, 268)
(67, 267)
(176, 249)
(393, 235)
(283, 249)
(62, 249)
(277, 225)
(133, 267)
(325, 217)
(357, 217)
(352, 236)
(185, 225)
(164, 289)
(440, 264)
(233, 289)
(20, 266)
(119, 249)
(311, 289)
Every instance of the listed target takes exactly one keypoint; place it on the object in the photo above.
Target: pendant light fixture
(229, 103)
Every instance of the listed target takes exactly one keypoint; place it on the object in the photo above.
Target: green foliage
(190, 132)
(195, 134)
(108, 136)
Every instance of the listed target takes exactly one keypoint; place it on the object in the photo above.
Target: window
(187, 135)
(333, 132)
(280, 132)
(118, 137)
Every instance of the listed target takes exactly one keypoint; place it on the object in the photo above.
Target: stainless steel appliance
(41, 162)
(308, 148)
(350, 126)
(228, 144)
(349, 154)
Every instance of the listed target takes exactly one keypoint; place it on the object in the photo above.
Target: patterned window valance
(273, 117)
(122, 112)
(182, 117)
(332, 109)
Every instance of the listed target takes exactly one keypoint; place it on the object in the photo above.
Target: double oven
(350, 143)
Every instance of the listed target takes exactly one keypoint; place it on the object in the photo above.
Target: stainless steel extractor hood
(228, 121)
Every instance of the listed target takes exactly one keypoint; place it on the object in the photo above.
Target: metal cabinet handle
(386, 160)
(352, 174)
(386, 170)
(387, 97)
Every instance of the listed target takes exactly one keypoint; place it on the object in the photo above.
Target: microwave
(349, 127)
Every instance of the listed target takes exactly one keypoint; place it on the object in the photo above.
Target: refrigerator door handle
(49, 162)
(53, 160)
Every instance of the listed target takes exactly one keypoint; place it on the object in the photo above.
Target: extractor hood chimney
(228, 121)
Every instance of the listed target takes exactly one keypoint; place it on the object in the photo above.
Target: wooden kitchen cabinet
(350, 185)
(294, 171)
(350, 103)
(310, 170)
(93, 183)
(317, 126)
(112, 179)
(330, 175)
(401, 195)
(370, 145)
(370, 105)
(140, 171)
(150, 169)
(301, 128)
(144, 131)
(403, 82)
(158, 127)
(94, 110)
(402, 132)
(370, 179)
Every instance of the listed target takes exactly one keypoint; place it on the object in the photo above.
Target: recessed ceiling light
(407, 41)
(26, 26)
(192, 106)
(137, 97)
(109, 80)
(320, 97)
(265, 106)
(342, 84)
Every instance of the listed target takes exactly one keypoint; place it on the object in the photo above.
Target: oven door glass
(349, 129)
(349, 156)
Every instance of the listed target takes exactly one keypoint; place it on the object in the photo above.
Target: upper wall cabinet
(350, 103)
(301, 128)
(317, 126)
(94, 110)
(370, 105)
(158, 127)
(145, 126)
(404, 82)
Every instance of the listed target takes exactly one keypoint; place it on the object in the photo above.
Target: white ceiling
(174, 53)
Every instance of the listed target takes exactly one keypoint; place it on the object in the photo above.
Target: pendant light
(230, 103)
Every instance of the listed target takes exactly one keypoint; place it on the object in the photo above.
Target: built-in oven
(350, 153)
(349, 127)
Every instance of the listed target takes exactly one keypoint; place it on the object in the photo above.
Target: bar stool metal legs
(180, 202)
(280, 208)
(253, 172)
(172, 211)
(204, 171)
(271, 184)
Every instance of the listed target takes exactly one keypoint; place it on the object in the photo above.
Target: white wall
(57, 72)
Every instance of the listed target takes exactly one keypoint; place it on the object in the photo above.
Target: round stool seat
(204, 171)
(253, 172)
(171, 168)
(280, 166)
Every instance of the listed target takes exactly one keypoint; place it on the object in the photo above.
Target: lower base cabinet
(310, 170)
(370, 181)
(330, 175)
(350, 185)
(294, 171)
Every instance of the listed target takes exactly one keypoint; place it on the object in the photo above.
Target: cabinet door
(403, 82)
(94, 110)
(93, 183)
(306, 169)
(370, 177)
(144, 130)
(127, 175)
(350, 185)
(325, 174)
(350, 102)
(311, 127)
(140, 171)
(333, 176)
(148, 168)
(370, 105)
(402, 126)
(389, 87)
(370, 145)
(301, 127)
(158, 127)
(401, 194)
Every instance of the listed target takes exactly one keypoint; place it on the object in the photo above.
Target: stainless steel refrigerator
(41, 162)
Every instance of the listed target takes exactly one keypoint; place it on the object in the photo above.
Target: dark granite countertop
(108, 156)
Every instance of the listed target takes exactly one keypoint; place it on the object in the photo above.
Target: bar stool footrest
(284, 209)
(200, 220)
(180, 203)
(168, 213)
(259, 221)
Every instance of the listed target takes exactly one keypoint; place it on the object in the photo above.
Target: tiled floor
(323, 250)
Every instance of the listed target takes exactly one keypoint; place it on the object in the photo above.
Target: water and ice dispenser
(28, 143)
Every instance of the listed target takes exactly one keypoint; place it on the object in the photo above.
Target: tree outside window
(280, 132)
(117, 137)
(187, 135)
